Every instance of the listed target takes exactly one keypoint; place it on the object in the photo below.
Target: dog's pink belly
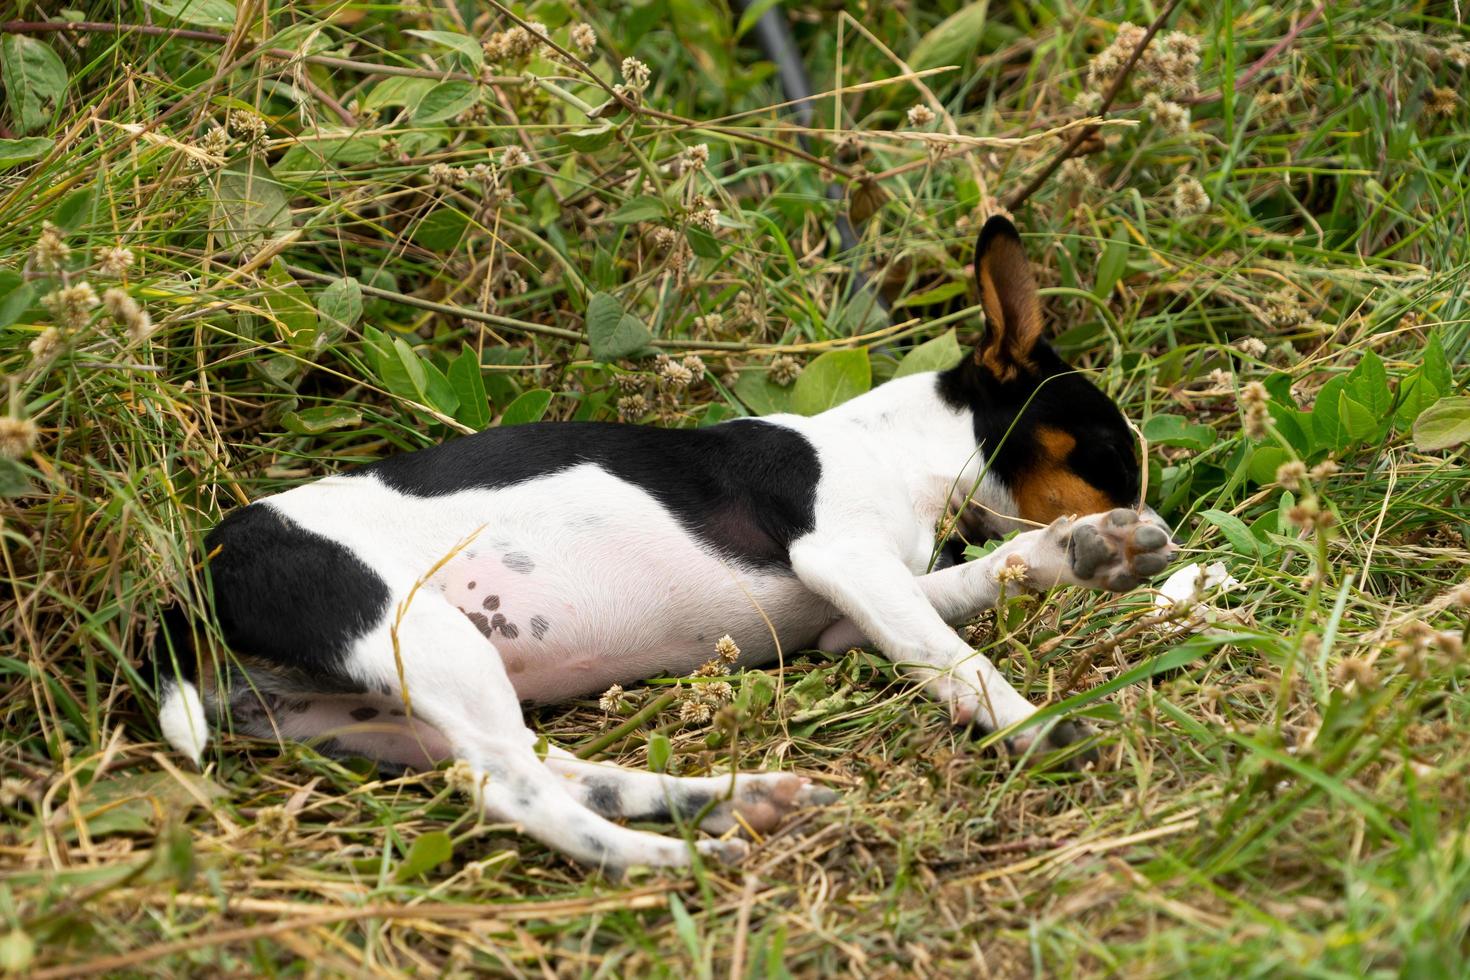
(564, 628)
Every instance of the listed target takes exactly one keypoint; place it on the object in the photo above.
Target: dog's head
(1057, 443)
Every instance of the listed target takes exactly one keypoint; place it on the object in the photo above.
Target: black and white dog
(405, 610)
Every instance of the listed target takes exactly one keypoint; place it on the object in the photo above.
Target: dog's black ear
(1010, 300)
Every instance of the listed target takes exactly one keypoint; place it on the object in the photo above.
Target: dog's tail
(181, 714)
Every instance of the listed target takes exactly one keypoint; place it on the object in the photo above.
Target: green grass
(1282, 795)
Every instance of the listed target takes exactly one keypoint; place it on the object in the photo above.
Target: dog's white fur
(624, 592)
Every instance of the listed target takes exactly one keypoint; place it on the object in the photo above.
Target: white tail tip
(181, 716)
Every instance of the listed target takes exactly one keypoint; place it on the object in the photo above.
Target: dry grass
(1285, 795)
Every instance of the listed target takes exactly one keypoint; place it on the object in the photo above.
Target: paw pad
(1117, 550)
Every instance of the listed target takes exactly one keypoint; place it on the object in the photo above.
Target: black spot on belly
(539, 626)
(470, 586)
(508, 629)
(518, 561)
(491, 603)
(364, 713)
(481, 623)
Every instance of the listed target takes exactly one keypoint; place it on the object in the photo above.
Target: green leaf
(438, 391)
(953, 41)
(1443, 425)
(1368, 385)
(340, 304)
(1326, 428)
(1357, 422)
(642, 208)
(16, 296)
(762, 395)
(406, 92)
(34, 80)
(1265, 461)
(13, 479)
(939, 354)
(660, 751)
(75, 209)
(702, 243)
(611, 333)
(469, 385)
(1235, 532)
(929, 297)
(289, 307)
(19, 151)
(831, 380)
(205, 13)
(1436, 367)
(427, 852)
(530, 406)
(1112, 264)
(311, 156)
(1175, 430)
(314, 421)
(250, 205)
(588, 140)
(1416, 394)
(441, 230)
(387, 365)
(413, 367)
(466, 46)
(445, 101)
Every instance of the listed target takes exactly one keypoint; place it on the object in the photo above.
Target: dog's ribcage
(578, 578)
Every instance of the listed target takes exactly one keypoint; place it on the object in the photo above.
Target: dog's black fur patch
(746, 488)
(290, 596)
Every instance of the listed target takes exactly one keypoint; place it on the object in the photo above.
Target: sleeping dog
(403, 611)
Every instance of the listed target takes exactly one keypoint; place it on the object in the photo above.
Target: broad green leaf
(644, 208)
(611, 333)
(1175, 430)
(438, 390)
(19, 151)
(75, 210)
(953, 41)
(205, 13)
(1416, 393)
(1357, 421)
(1326, 428)
(1265, 461)
(406, 92)
(289, 306)
(702, 243)
(939, 354)
(1367, 384)
(530, 406)
(441, 230)
(466, 46)
(587, 140)
(1443, 425)
(660, 751)
(830, 380)
(312, 156)
(16, 296)
(249, 204)
(1112, 264)
(34, 79)
(445, 101)
(340, 304)
(313, 421)
(13, 479)
(928, 297)
(469, 385)
(1436, 367)
(389, 367)
(427, 852)
(413, 367)
(762, 395)
(1235, 531)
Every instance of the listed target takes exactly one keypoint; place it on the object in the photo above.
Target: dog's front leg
(883, 599)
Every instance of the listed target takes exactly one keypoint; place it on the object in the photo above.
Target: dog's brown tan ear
(1010, 300)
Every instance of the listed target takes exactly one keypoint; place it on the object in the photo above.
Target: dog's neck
(932, 444)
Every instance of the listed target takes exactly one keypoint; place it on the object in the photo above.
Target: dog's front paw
(1117, 550)
(1064, 735)
(763, 800)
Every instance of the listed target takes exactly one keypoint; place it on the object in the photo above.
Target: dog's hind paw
(1117, 550)
(763, 800)
(1063, 735)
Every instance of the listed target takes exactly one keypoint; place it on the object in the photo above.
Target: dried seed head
(71, 305)
(1441, 102)
(631, 408)
(462, 778)
(1075, 173)
(664, 238)
(636, 74)
(1290, 474)
(126, 311)
(1356, 671)
(696, 156)
(17, 436)
(1013, 571)
(1253, 401)
(248, 127)
(1251, 346)
(785, 369)
(920, 115)
(50, 252)
(612, 699)
(1323, 470)
(275, 822)
(1088, 101)
(1284, 310)
(1189, 198)
(1459, 596)
(708, 219)
(514, 156)
(47, 345)
(584, 38)
(709, 322)
(694, 364)
(114, 261)
(672, 374)
(1171, 117)
(726, 650)
(696, 711)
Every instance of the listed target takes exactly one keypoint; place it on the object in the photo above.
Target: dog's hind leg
(755, 801)
(455, 682)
